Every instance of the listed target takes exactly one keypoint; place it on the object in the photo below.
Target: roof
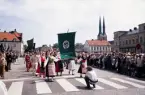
(111, 42)
(98, 43)
(10, 36)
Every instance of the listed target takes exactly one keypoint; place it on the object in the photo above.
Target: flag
(66, 42)
(30, 44)
(34, 44)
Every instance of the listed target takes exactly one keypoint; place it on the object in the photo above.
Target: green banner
(30, 44)
(66, 42)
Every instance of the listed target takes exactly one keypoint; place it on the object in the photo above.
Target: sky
(44, 19)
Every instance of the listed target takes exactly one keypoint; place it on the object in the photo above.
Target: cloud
(44, 19)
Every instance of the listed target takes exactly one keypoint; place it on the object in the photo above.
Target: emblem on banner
(66, 44)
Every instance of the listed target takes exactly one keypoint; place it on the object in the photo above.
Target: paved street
(19, 82)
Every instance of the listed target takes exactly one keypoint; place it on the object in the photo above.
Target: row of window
(103, 48)
(133, 41)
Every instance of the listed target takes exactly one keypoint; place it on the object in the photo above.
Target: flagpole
(67, 30)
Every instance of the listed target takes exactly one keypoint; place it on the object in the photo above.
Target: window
(14, 45)
(126, 42)
(129, 41)
(92, 48)
(5, 39)
(133, 41)
(141, 40)
(97, 48)
(136, 40)
(144, 27)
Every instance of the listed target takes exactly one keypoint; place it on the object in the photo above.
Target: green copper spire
(100, 30)
(104, 32)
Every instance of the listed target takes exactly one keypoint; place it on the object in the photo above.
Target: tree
(25, 48)
(44, 46)
(55, 45)
(79, 46)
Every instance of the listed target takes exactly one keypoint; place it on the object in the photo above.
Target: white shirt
(92, 75)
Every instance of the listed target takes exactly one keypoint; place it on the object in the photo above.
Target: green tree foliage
(55, 45)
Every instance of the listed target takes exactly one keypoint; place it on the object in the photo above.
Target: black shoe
(88, 88)
(94, 85)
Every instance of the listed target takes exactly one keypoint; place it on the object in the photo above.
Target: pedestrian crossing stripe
(128, 82)
(42, 87)
(115, 85)
(135, 80)
(16, 88)
(67, 86)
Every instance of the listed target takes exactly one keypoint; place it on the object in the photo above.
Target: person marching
(83, 65)
(27, 62)
(2, 65)
(37, 66)
(42, 65)
(71, 66)
(58, 64)
(34, 61)
(50, 69)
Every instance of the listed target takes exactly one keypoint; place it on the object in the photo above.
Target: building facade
(12, 41)
(130, 41)
(99, 45)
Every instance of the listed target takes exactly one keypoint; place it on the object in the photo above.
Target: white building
(97, 46)
(12, 41)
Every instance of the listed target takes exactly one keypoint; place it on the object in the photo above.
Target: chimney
(5, 31)
(135, 28)
(15, 30)
(92, 39)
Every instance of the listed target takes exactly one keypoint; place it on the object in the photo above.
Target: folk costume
(34, 61)
(83, 66)
(58, 65)
(37, 66)
(28, 62)
(42, 66)
(51, 67)
(71, 66)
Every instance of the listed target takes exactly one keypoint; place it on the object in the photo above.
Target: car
(3, 89)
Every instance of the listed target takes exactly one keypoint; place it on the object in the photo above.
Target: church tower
(102, 33)
(100, 30)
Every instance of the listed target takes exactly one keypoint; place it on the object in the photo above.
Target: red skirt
(28, 65)
(38, 68)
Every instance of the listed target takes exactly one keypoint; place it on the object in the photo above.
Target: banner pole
(67, 30)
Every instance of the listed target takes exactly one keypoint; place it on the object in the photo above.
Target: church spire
(100, 30)
(104, 32)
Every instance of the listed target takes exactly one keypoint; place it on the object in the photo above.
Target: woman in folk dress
(37, 66)
(83, 65)
(51, 67)
(58, 65)
(28, 62)
(42, 66)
